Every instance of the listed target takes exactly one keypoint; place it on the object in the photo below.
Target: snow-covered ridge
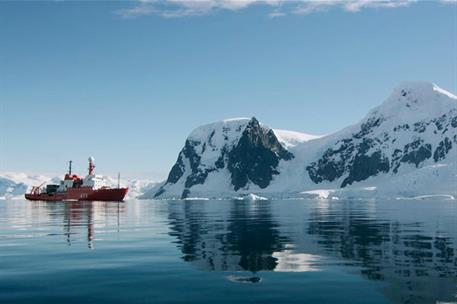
(209, 140)
(404, 147)
(228, 127)
(414, 101)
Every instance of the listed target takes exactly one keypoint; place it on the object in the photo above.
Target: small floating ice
(245, 280)
(196, 199)
(251, 197)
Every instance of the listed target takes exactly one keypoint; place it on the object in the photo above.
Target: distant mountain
(15, 185)
(404, 147)
(137, 187)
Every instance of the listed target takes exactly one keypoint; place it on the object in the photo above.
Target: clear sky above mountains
(126, 82)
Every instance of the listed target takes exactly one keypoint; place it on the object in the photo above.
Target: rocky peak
(249, 151)
(256, 156)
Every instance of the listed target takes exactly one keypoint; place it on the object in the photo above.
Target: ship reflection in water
(81, 215)
(294, 251)
(78, 219)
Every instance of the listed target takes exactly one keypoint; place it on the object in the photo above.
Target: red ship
(75, 188)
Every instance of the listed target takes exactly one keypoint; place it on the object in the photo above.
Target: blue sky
(126, 82)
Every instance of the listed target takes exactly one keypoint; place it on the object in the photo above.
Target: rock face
(242, 148)
(404, 146)
(256, 156)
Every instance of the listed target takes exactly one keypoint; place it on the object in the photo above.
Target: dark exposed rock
(401, 127)
(365, 166)
(420, 127)
(336, 162)
(190, 153)
(220, 162)
(416, 152)
(350, 157)
(396, 157)
(198, 175)
(159, 192)
(454, 122)
(385, 136)
(368, 126)
(365, 145)
(327, 168)
(210, 139)
(439, 123)
(256, 156)
(203, 148)
(176, 171)
(442, 150)
(185, 193)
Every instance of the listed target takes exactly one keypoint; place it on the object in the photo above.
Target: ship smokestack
(91, 165)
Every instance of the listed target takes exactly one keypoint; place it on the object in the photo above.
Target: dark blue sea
(293, 251)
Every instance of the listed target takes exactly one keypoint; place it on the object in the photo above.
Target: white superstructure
(94, 181)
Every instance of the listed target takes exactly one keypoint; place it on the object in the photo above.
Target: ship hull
(82, 194)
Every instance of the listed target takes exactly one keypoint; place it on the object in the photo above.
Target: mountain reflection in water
(413, 251)
(407, 249)
(243, 240)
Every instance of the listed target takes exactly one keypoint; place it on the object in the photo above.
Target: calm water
(228, 252)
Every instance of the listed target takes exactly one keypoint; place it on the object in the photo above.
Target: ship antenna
(118, 180)
(69, 167)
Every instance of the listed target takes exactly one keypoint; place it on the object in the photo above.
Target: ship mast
(69, 167)
(91, 165)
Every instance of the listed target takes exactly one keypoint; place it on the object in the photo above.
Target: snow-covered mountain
(404, 147)
(15, 185)
(136, 186)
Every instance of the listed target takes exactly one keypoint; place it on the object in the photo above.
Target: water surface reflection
(410, 246)
(406, 249)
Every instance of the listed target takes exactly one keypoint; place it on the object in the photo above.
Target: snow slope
(292, 138)
(405, 147)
